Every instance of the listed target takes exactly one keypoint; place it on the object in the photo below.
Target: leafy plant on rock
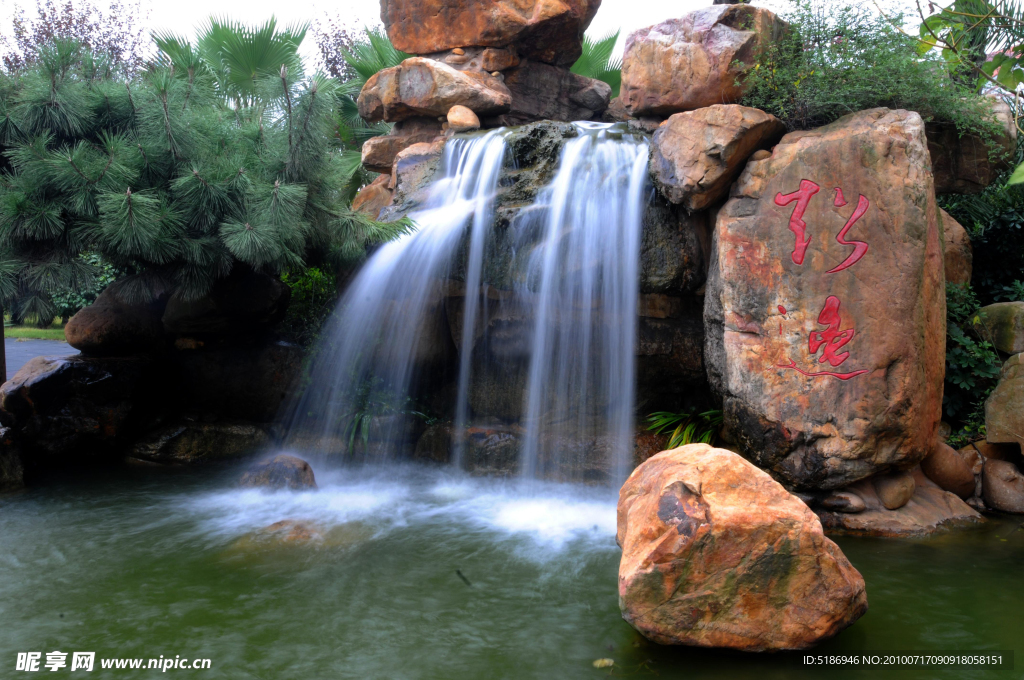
(699, 428)
(596, 61)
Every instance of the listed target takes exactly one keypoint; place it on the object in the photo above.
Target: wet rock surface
(191, 442)
(825, 309)
(715, 553)
(280, 472)
(1002, 324)
(1004, 408)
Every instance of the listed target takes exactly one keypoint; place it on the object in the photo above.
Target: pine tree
(167, 178)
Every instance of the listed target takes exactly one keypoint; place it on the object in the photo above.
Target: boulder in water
(547, 30)
(696, 155)
(715, 553)
(424, 87)
(695, 61)
(829, 364)
(280, 472)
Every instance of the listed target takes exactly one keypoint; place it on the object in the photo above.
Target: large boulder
(696, 61)
(715, 553)
(958, 256)
(966, 164)
(696, 155)
(1003, 324)
(112, 327)
(379, 152)
(243, 303)
(825, 309)
(81, 408)
(545, 92)
(280, 472)
(929, 511)
(1004, 408)
(547, 30)
(424, 87)
(1003, 486)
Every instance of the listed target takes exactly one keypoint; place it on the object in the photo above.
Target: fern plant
(700, 428)
(596, 61)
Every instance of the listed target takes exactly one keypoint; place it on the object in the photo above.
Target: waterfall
(576, 268)
(583, 282)
(367, 359)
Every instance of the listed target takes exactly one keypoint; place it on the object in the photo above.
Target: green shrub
(314, 293)
(686, 428)
(972, 363)
(840, 58)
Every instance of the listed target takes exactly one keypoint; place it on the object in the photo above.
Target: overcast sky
(182, 16)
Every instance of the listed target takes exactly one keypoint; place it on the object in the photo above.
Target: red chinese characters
(834, 338)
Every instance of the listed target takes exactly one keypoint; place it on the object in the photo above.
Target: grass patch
(54, 332)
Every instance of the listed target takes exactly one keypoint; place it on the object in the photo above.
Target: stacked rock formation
(477, 64)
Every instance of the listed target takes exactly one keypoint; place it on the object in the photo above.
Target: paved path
(19, 351)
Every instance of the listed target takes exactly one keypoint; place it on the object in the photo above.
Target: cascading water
(578, 272)
(583, 283)
(365, 365)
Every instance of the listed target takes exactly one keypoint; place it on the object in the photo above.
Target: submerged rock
(280, 472)
(696, 155)
(715, 553)
(825, 309)
(695, 61)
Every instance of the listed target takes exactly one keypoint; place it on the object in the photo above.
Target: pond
(21, 350)
(422, 573)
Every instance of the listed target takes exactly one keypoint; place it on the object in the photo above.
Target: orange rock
(958, 256)
(894, 489)
(546, 30)
(424, 87)
(1003, 486)
(109, 327)
(374, 197)
(379, 152)
(695, 61)
(696, 155)
(947, 468)
(825, 309)
(462, 119)
(715, 553)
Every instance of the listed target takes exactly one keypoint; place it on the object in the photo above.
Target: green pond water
(143, 563)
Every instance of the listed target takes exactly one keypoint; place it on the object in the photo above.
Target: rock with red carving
(958, 255)
(715, 553)
(825, 310)
(546, 30)
(695, 61)
(424, 87)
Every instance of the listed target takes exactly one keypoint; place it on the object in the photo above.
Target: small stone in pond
(604, 663)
